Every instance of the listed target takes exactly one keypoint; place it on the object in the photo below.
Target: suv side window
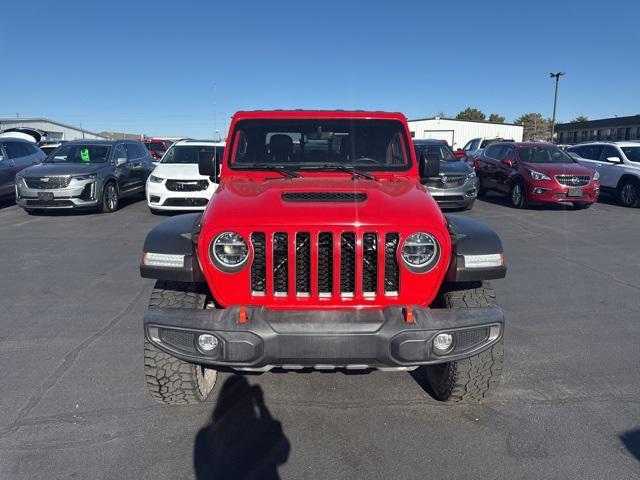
(493, 152)
(610, 151)
(132, 151)
(119, 152)
(15, 149)
(591, 152)
(509, 153)
(467, 146)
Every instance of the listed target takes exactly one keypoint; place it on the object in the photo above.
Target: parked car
(474, 147)
(531, 172)
(320, 249)
(157, 148)
(175, 184)
(85, 174)
(456, 186)
(15, 156)
(617, 163)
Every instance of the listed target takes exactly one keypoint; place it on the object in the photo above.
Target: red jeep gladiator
(321, 249)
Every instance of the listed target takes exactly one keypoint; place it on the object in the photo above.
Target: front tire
(170, 380)
(581, 206)
(110, 198)
(629, 193)
(471, 379)
(518, 194)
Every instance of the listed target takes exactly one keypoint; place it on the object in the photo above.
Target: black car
(15, 155)
(85, 174)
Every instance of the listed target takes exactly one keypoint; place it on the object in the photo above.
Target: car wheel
(629, 193)
(581, 206)
(469, 205)
(518, 195)
(471, 379)
(110, 198)
(482, 191)
(170, 380)
(33, 211)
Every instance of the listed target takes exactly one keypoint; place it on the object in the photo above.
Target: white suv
(618, 164)
(175, 184)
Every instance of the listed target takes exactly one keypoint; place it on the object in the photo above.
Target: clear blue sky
(164, 68)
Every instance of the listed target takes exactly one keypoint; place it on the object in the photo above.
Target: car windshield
(306, 144)
(80, 153)
(543, 154)
(187, 153)
(445, 152)
(632, 153)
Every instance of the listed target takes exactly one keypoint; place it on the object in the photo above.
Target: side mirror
(121, 161)
(507, 161)
(429, 165)
(614, 159)
(209, 165)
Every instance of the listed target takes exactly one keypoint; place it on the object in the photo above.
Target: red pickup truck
(321, 249)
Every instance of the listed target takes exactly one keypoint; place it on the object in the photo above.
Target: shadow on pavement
(631, 441)
(243, 440)
(503, 200)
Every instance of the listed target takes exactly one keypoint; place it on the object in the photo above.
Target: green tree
(580, 118)
(495, 118)
(471, 114)
(536, 127)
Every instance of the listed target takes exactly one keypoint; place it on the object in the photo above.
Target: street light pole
(557, 76)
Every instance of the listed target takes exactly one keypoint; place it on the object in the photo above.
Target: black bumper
(322, 339)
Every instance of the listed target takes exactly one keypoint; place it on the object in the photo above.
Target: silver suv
(618, 164)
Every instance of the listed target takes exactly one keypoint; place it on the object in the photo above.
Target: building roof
(460, 120)
(42, 119)
(602, 122)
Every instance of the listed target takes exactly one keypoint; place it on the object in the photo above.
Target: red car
(535, 172)
(156, 147)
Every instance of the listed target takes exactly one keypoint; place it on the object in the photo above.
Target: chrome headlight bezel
(155, 179)
(228, 239)
(539, 175)
(427, 239)
(86, 176)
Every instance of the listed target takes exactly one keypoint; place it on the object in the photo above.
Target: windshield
(158, 146)
(444, 151)
(185, 154)
(543, 154)
(299, 144)
(80, 153)
(632, 153)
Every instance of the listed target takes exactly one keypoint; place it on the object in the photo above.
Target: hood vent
(324, 197)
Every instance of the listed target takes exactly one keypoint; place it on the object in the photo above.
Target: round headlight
(229, 251)
(420, 252)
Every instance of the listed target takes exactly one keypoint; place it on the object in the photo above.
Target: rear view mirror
(429, 165)
(614, 159)
(208, 165)
(507, 161)
(121, 161)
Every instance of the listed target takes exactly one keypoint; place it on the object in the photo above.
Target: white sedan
(175, 184)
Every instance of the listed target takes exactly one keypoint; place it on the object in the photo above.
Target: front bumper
(457, 197)
(160, 198)
(553, 192)
(255, 338)
(79, 194)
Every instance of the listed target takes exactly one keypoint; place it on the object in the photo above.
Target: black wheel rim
(516, 195)
(629, 194)
(111, 197)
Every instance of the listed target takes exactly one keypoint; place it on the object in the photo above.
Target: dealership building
(614, 129)
(55, 131)
(458, 132)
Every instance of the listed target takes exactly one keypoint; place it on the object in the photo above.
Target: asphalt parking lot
(73, 402)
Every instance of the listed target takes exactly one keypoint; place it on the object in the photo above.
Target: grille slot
(48, 183)
(178, 339)
(347, 264)
(391, 267)
(466, 339)
(185, 202)
(303, 264)
(325, 264)
(324, 197)
(369, 264)
(280, 264)
(447, 181)
(573, 180)
(187, 185)
(259, 265)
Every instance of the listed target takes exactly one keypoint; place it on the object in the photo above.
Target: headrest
(280, 144)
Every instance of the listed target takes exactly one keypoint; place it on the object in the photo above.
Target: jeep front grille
(325, 265)
(573, 180)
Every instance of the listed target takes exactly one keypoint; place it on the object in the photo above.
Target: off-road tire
(471, 379)
(629, 193)
(521, 200)
(107, 199)
(170, 380)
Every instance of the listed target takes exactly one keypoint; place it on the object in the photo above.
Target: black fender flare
(174, 236)
(471, 237)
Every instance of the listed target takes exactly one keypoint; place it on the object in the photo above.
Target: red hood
(553, 169)
(250, 201)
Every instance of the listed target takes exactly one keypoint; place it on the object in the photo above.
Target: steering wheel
(365, 161)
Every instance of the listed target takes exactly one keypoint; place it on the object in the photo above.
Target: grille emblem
(45, 179)
(444, 179)
(575, 180)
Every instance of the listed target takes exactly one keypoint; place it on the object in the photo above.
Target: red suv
(535, 172)
(156, 147)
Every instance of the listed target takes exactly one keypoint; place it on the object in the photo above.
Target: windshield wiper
(265, 166)
(342, 168)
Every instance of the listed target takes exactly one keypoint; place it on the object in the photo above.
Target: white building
(55, 131)
(458, 132)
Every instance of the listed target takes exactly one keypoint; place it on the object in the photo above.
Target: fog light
(207, 342)
(442, 343)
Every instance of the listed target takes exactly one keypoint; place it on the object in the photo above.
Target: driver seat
(281, 148)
